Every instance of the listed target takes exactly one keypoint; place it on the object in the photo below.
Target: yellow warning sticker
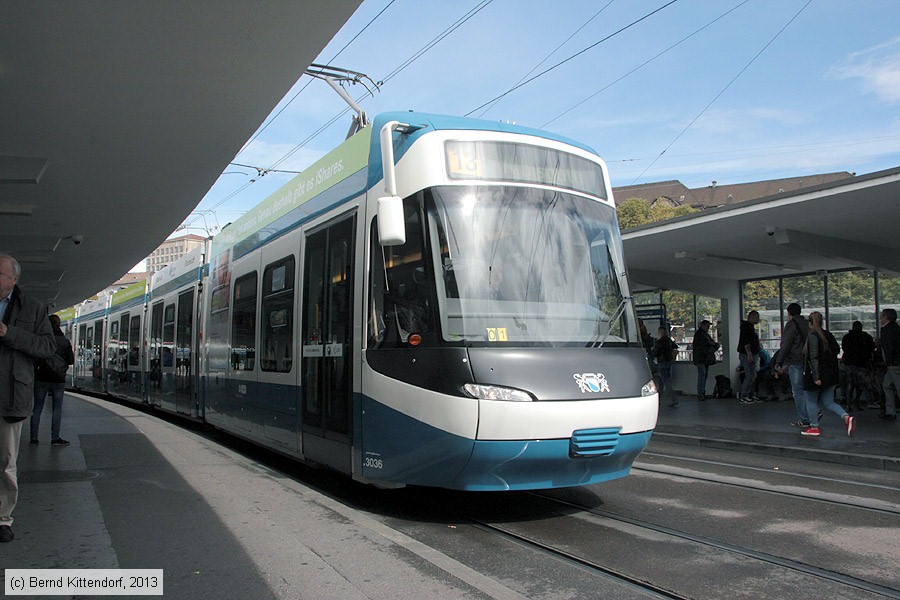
(497, 334)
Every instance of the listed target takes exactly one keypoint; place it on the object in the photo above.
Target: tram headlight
(495, 392)
(649, 388)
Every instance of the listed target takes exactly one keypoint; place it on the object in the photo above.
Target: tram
(439, 301)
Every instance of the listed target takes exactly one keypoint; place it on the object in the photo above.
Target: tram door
(97, 362)
(184, 355)
(327, 358)
(167, 362)
(82, 357)
(154, 385)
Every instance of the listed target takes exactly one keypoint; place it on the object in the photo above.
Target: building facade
(171, 250)
(675, 193)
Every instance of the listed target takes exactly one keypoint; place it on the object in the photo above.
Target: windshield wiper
(616, 314)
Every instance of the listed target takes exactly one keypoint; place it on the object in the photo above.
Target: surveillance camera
(77, 239)
(770, 230)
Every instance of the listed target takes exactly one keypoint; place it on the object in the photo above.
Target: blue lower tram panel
(541, 464)
(401, 449)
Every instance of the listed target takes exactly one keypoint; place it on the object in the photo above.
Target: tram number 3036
(373, 462)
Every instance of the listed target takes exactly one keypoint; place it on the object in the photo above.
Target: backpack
(57, 365)
(723, 388)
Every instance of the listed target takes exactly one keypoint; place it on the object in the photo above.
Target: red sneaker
(811, 431)
(851, 425)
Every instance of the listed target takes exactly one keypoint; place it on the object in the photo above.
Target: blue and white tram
(438, 301)
(472, 329)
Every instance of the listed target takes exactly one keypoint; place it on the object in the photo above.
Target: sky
(693, 90)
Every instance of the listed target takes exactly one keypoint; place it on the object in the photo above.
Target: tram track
(876, 506)
(768, 470)
(618, 577)
(786, 563)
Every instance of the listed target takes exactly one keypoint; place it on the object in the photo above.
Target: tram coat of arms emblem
(591, 382)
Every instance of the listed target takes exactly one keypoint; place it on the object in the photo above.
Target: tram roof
(854, 222)
(116, 119)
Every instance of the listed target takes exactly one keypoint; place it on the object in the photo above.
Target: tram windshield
(527, 265)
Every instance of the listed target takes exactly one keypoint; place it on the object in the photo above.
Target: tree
(761, 295)
(634, 212)
(661, 211)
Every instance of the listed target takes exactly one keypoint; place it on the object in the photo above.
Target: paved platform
(765, 428)
(135, 492)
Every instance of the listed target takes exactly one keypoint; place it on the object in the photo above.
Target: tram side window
(156, 327)
(113, 342)
(401, 286)
(122, 328)
(218, 304)
(277, 335)
(243, 323)
(134, 334)
(168, 345)
(82, 337)
(97, 356)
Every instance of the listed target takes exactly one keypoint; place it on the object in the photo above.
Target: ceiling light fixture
(22, 169)
(16, 210)
(698, 256)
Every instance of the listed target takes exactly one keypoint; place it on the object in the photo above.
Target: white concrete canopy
(853, 223)
(117, 117)
(850, 223)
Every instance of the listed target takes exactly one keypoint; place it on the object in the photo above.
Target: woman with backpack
(50, 376)
(821, 375)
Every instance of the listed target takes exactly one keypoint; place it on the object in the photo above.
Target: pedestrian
(823, 375)
(646, 340)
(704, 351)
(858, 347)
(748, 349)
(890, 347)
(50, 377)
(25, 334)
(790, 355)
(765, 377)
(665, 351)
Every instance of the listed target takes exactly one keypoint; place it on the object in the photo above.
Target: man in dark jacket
(748, 352)
(858, 347)
(793, 339)
(890, 346)
(704, 350)
(48, 379)
(25, 334)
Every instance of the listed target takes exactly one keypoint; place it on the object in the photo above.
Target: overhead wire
(724, 89)
(843, 163)
(472, 12)
(406, 63)
(747, 157)
(554, 51)
(824, 144)
(403, 65)
(261, 170)
(282, 109)
(643, 64)
(436, 40)
(309, 81)
(579, 53)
